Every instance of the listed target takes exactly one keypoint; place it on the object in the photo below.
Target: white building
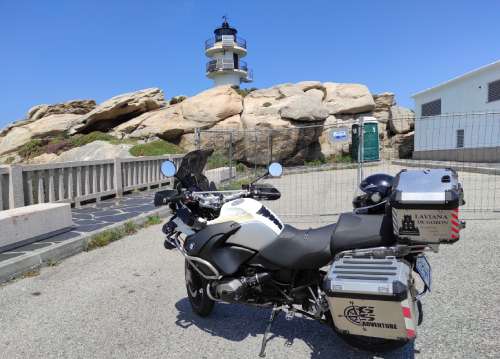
(459, 119)
(225, 50)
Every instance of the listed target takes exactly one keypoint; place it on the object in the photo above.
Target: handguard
(165, 197)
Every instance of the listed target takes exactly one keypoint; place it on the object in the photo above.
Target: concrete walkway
(88, 220)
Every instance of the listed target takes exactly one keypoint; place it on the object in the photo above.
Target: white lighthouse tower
(225, 50)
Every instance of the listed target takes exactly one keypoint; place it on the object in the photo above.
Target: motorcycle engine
(236, 289)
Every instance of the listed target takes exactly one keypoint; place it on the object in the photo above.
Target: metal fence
(321, 173)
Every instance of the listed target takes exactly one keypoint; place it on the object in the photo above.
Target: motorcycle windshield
(192, 166)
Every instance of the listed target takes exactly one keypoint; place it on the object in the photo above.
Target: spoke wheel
(196, 287)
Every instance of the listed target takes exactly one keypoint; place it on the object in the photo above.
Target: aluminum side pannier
(371, 297)
(425, 206)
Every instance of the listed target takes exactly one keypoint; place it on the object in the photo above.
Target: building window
(460, 138)
(432, 108)
(494, 91)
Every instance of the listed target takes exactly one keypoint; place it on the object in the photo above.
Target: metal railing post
(16, 191)
(361, 140)
(270, 146)
(231, 155)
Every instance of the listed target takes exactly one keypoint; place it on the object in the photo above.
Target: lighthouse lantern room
(225, 51)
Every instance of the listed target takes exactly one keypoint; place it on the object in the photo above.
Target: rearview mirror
(168, 168)
(275, 169)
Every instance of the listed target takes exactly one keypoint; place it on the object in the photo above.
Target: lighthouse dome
(225, 29)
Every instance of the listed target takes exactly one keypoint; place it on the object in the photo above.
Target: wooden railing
(77, 182)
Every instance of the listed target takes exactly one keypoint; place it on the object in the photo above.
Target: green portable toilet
(371, 141)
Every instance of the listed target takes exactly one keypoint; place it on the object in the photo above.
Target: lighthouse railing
(240, 42)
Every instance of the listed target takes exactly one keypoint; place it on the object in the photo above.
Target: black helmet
(379, 182)
(375, 188)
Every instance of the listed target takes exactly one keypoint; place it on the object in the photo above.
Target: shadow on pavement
(237, 322)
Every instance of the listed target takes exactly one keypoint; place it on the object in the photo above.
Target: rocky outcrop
(306, 107)
(44, 158)
(120, 109)
(329, 149)
(291, 121)
(383, 103)
(348, 98)
(402, 120)
(263, 111)
(76, 107)
(97, 150)
(45, 127)
(215, 139)
(204, 110)
(403, 145)
(212, 106)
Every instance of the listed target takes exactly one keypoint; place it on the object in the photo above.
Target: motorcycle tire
(196, 287)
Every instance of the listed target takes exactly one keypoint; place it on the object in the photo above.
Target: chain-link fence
(323, 164)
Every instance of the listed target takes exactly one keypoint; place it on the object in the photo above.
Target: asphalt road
(128, 300)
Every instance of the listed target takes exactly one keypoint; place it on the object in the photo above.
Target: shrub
(240, 167)
(317, 162)
(82, 140)
(266, 104)
(130, 227)
(104, 238)
(155, 148)
(218, 159)
(32, 148)
(342, 158)
(152, 220)
(9, 160)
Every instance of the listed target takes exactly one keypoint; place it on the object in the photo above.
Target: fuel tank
(259, 225)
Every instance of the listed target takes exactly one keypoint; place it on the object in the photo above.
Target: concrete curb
(17, 266)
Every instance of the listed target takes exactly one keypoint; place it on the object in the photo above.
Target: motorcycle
(363, 276)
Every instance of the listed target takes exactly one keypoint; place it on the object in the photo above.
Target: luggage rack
(398, 251)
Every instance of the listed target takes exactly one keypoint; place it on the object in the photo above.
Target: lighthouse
(225, 51)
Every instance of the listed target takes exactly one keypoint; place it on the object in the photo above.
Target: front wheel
(196, 287)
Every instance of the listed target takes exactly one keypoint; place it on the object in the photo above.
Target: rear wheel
(196, 287)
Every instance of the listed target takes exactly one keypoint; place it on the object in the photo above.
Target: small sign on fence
(339, 135)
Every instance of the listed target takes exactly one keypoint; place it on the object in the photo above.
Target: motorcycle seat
(358, 231)
(300, 248)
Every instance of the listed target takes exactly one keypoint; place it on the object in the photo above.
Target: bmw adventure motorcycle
(363, 276)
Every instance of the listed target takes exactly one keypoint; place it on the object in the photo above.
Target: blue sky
(53, 51)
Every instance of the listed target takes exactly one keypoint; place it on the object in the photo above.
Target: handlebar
(215, 199)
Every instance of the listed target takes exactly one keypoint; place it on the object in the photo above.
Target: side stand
(273, 316)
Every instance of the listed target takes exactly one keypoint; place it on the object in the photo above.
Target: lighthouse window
(236, 61)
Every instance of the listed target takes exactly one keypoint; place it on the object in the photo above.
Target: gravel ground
(128, 300)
